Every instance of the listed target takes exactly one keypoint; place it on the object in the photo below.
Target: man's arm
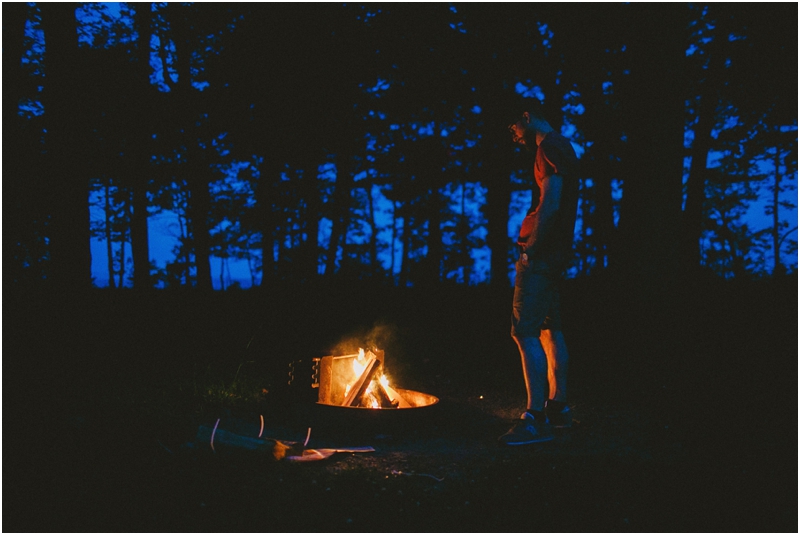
(549, 203)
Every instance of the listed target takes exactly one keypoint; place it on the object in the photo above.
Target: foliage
(369, 141)
(211, 389)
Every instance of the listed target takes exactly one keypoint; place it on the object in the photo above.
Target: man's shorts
(536, 303)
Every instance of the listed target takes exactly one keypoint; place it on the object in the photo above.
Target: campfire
(359, 381)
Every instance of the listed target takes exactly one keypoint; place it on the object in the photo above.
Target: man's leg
(532, 426)
(534, 369)
(531, 303)
(558, 412)
(534, 297)
(555, 347)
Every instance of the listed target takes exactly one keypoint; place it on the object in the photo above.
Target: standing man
(545, 243)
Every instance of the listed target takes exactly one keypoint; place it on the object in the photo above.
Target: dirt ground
(676, 428)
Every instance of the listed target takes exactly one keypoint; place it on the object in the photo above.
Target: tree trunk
(463, 225)
(269, 175)
(590, 246)
(138, 159)
(121, 272)
(341, 215)
(183, 225)
(709, 97)
(109, 244)
(498, 157)
(197, 169)
(405, 266)
(434, 258)
(651, 205)
(778, 267)
(600, 165)
(695, 187)
(18, 213)
(14, 18)
(70, 237)
(373, 238)
(199, 209)
(604, 229)
(252, 269)
(311, 195)
(395, 205)
(140, 247)
(498, 198)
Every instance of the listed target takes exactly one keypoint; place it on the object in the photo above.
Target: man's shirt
(554, 156)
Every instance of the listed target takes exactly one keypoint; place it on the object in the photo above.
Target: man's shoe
(527, 431)
(559, 419)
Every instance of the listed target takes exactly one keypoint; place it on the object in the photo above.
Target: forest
(203, 198)
(370, 141)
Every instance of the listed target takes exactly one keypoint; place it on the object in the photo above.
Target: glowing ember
(373, 401)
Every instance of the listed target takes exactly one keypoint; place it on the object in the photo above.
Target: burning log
(335, 375)
(356, 380)
(396, 398)
(384, 398)
(362, 384)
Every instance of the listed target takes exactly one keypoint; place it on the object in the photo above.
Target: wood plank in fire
(361, 385)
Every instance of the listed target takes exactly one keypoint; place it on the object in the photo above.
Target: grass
(211, 390)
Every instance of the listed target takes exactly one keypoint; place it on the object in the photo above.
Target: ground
(685, 409)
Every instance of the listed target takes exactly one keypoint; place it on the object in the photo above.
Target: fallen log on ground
(293, 451)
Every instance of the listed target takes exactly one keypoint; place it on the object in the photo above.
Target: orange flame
(359, 365)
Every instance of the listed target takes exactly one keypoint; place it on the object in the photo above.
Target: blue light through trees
(236, 251)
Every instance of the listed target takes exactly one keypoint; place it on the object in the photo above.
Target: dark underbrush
(685, 401)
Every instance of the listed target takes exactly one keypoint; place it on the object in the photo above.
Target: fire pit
(358, 381)
(356, 394)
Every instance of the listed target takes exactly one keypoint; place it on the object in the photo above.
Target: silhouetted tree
(140, 147)
(115, 226)
(25, 221)
(734, 49)
(777, 148)
(68, 147)
(653, 118)
(334, 107)
(728, 241)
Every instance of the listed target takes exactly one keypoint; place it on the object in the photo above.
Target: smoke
(386, 337)
(380, 336)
